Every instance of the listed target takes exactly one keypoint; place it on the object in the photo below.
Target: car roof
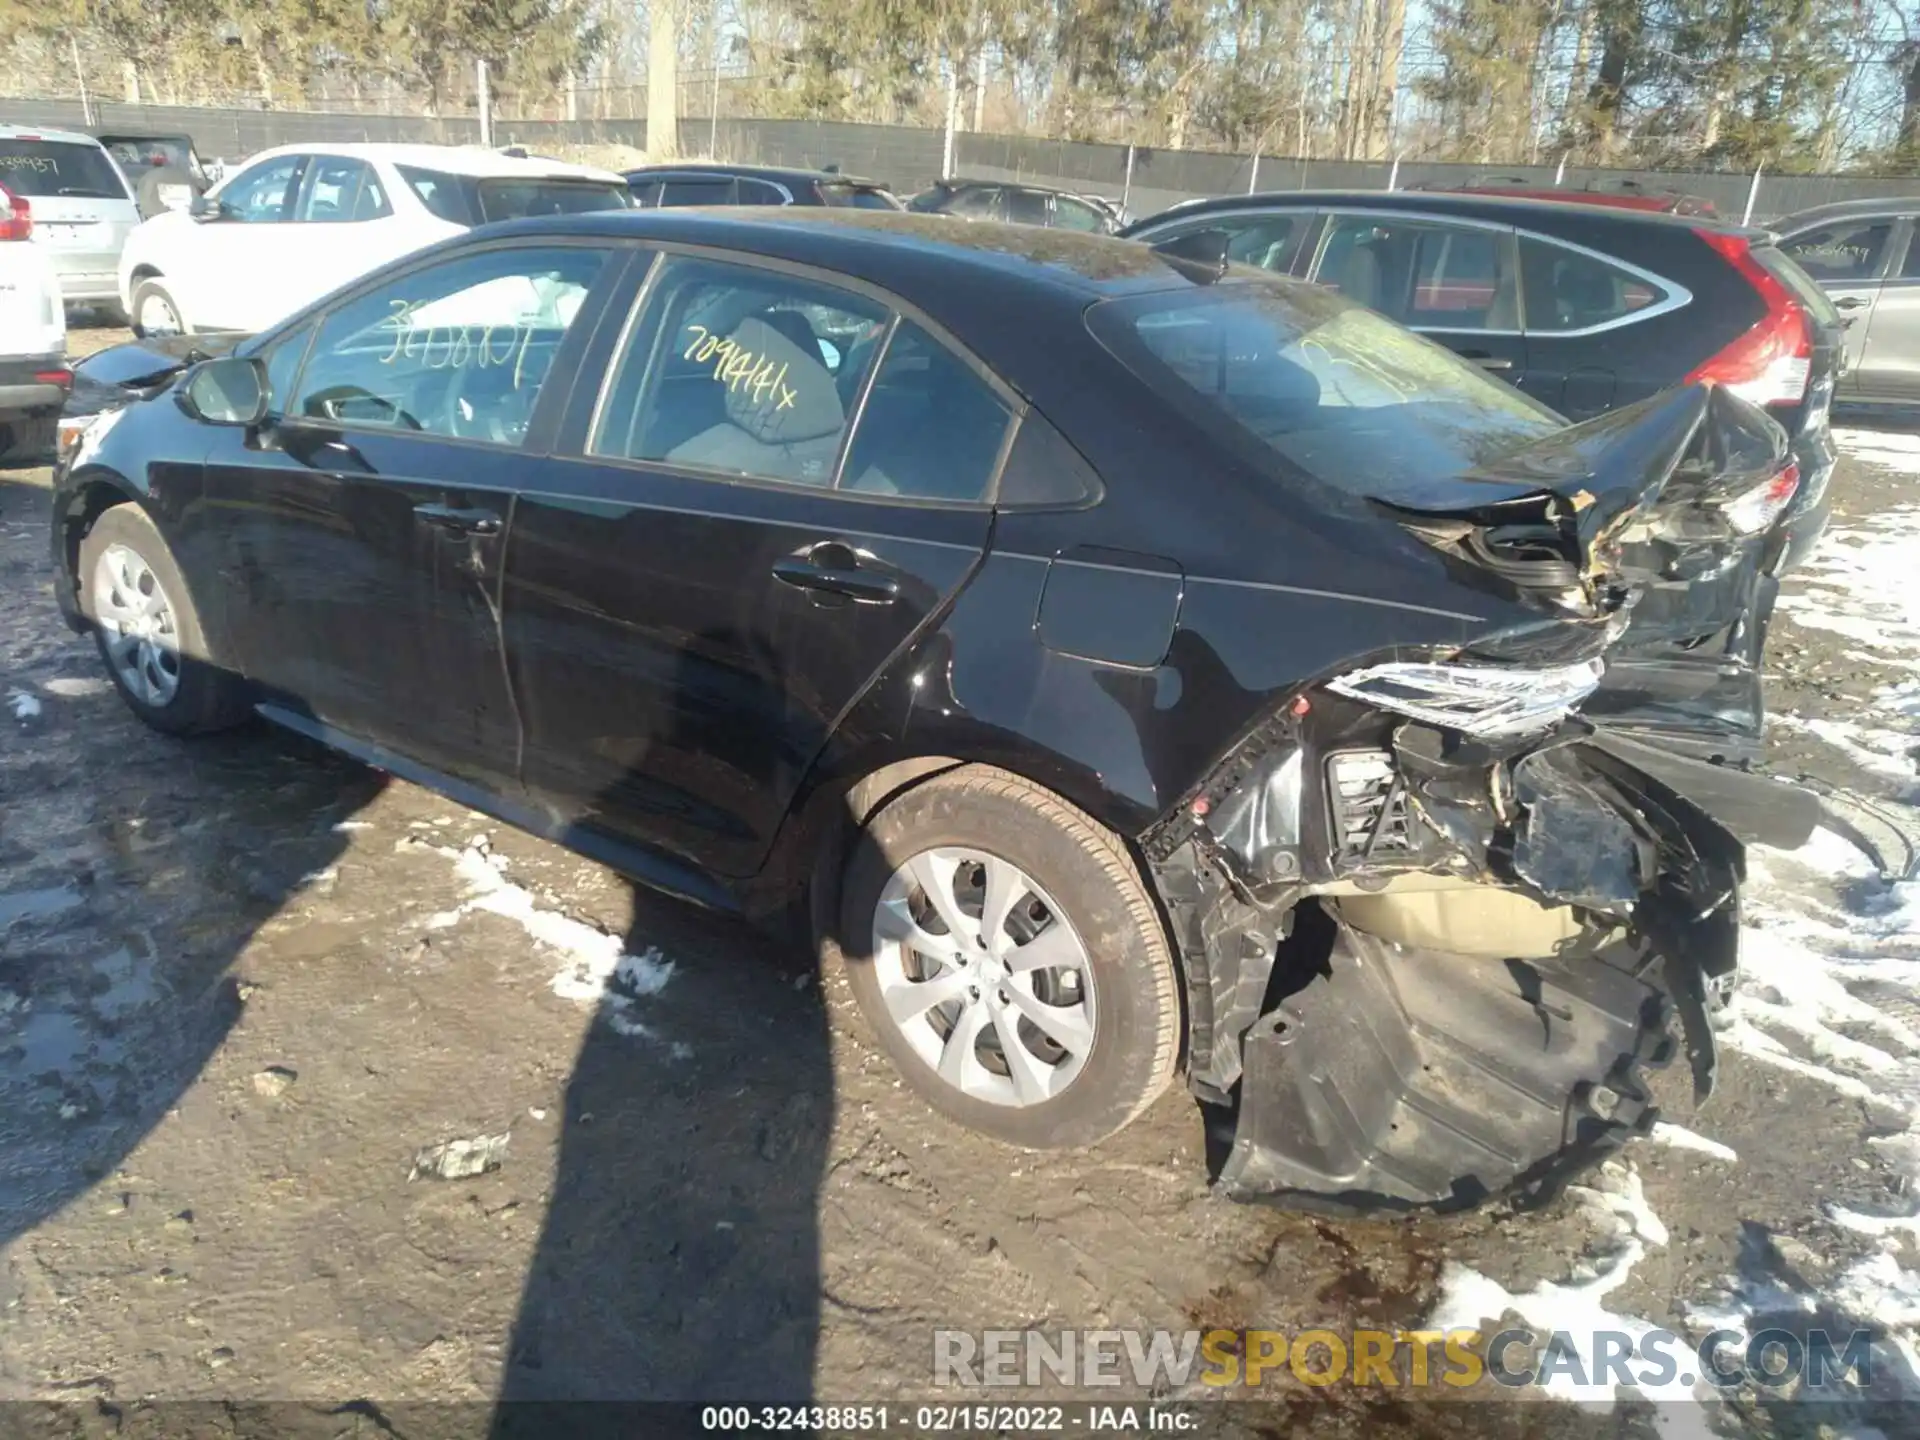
(1548, 216)
(752, 172)
(978, 184)
(41, 132)
(1847, 209)
(474, 160)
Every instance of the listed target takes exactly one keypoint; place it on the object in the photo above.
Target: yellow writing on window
(454, 347)
(740, 369)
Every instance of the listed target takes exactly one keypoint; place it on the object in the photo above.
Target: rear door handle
(460, 522)
(1488, 362)
(851, 584)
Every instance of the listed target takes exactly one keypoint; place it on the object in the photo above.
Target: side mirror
(204, 207)
(227, 391)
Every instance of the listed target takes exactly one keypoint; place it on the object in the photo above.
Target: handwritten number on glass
(458, 346)
(739, 368)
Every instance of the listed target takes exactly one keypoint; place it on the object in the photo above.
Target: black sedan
(1121, 664)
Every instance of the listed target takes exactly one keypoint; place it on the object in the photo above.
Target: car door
(1848, 258)
(225, 266)
(1455, 281)
(362, 528)
(1585, 354)
(1889, 366)
(715, 572)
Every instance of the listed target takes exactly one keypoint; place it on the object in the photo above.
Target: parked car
(165, 170)
(83, 207)
(1050, 635)
(718, 184)
(301, 220)
(1585, 308)
(1623, 194)
(1863, 255)
(34, 378)
(1019, 205)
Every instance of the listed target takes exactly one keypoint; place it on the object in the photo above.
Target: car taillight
(1756, 509)
(16, 216)
(1771, 362)
(62, 378)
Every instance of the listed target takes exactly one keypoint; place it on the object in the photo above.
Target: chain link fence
(906, 158)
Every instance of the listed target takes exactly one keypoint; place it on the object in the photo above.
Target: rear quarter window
(1569, 290)
(42, 168)
(515, 199)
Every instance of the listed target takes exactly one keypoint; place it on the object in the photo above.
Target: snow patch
(76, 687)
(595, 967)
(349, 827)
(23, 705)
(1681, 1138)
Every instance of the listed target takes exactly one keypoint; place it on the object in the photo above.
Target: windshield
(40, 168)
(516, 199)
(1338, 391)
(135, 152)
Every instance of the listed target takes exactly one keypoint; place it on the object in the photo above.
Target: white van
(83, 207)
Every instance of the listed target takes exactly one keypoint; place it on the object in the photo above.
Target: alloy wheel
(984, 975)
(138, 624)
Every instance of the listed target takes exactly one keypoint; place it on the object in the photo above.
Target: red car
(1622, 194)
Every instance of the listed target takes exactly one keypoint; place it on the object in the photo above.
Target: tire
(150, 292)
(1122, 1006)
(202, 697)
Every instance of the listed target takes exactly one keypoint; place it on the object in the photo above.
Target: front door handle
(1486, 361)
(1851, 302)
(459, 521)
(846, 582)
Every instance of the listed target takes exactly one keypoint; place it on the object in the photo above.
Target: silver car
(1866, 255)
(82, 206)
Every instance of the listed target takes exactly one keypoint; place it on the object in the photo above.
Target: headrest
(776, 391)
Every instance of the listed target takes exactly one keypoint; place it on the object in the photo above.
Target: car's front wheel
(1003, 947)
(148, 630)
(155, 313)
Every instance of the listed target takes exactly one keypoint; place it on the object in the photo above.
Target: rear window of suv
(476, 200)
(39, 168)
(1336, 390)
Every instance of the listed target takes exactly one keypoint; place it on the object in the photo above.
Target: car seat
(784, 425)
(1582, 294)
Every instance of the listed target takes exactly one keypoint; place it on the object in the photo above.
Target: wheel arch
(78, 509)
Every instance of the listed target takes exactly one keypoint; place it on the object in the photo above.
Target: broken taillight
(16, 216)
(1755, 510)
(1771, 361)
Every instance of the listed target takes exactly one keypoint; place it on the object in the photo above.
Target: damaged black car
(1123, 666)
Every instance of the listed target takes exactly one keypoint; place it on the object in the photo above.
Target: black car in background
(669, 186)
(1019, 204)
(1119, 663)
(1585, 307)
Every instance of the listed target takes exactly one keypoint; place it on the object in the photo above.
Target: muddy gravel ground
(244, 985)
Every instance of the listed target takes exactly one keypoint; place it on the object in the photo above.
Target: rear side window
(1567, 290)
(515, 199)
(645, 192)
(741, 371)
(443, 195)
(1845, 250)
(857, 197)
(1446, 277)
(697, 192)
(759, 192)
(932, 429)
(1026, 207)
(41, 168)
(1337, 391)
(340, 190)
(1071, 214)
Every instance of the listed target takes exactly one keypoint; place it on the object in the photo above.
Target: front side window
(700, 191)
(1446, 277)
(1339, 392)
(460, 348)
(1567, 290)
(741, 371)
(516, 198)
(759, 192)
(1071, 214)
(261, 196)
(1848, 250)
(932, 429)
(1026, 207)
(337, 189)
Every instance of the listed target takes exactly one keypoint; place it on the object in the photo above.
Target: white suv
(83, 207)
(34, 378)
(297, 222)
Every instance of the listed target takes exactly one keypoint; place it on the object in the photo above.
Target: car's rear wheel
(155, 312)
(148, 630)
(1002, 946)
